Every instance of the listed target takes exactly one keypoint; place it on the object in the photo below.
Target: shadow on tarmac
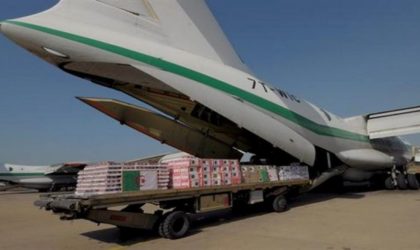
(128, 237)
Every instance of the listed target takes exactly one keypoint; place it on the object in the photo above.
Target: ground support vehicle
(173, 219)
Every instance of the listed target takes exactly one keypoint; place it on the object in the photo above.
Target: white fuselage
(282, 119)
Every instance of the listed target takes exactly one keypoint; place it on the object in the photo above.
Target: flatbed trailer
(177, 205)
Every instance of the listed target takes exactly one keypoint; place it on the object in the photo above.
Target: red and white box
(273, 173)
(191, 172)
(185, 173)
(106, 177)
(216, 182)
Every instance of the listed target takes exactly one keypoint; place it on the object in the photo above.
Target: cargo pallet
(178, 205)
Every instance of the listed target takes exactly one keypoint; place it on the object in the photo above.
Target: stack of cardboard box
(110, 177)
(261, 173)
(272, 173)
(179, 173)
(149, 177)
(226, 172)
(206, 171)
(293, 172)
(194, 172)
(184, 173)
(100, 178)
(250, 174)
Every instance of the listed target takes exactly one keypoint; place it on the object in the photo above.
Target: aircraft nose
(6, 30)
(19, 34)
(1, 24)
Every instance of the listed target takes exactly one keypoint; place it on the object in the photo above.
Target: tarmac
(362, 220)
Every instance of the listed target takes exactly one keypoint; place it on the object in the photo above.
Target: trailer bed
(178, 205)
(152, 196)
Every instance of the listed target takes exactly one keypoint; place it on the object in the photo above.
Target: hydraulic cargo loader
(177, 207)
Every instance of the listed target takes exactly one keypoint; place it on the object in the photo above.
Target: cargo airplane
(173, 56)
(42, 178)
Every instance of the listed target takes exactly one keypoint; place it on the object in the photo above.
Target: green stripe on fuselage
(206, 80)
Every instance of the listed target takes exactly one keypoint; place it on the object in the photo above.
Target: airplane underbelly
(357, 175)
(259, 123)
(367, 159)
(45, 182)
(35, 180)
(7, 178)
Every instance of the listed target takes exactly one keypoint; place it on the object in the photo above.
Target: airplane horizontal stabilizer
(164, 129)
(394, 123)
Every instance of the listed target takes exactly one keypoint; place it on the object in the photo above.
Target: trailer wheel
(160, 230)
(389, 184)
(280, 204)
(160, 225)
(175, 225)
(413, 183)
(401, 182)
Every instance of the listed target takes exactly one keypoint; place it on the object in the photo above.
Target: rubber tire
(401, 182)
(160, 226)
(160, 230)
(389, 184)
(280, 204)
(413, 183)
(168, 223)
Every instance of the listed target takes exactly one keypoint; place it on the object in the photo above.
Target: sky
(349, 57)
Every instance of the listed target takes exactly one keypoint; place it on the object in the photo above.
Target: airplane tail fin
(189, 25)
